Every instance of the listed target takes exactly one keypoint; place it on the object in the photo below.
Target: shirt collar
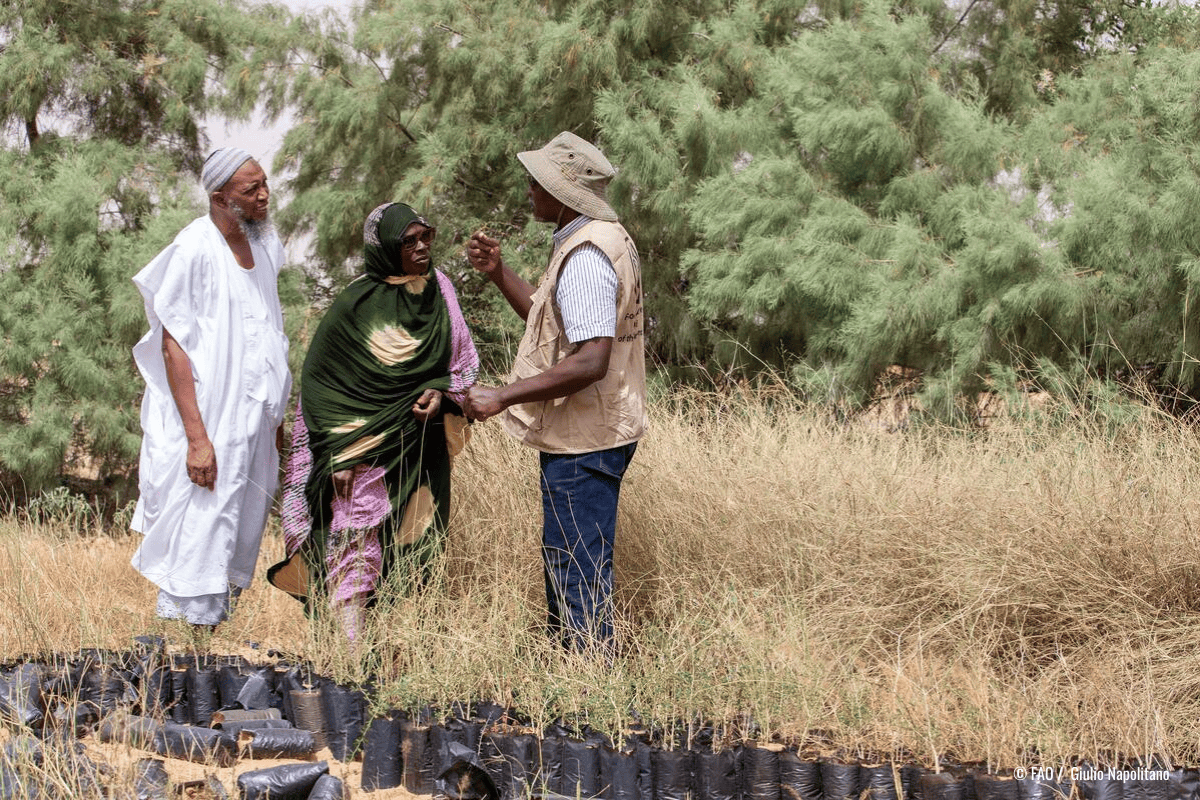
(563, 233)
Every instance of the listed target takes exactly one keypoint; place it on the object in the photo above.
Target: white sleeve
(587, 294)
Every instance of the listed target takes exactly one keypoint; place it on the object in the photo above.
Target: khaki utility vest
(612, 411)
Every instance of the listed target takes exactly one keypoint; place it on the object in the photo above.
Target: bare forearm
(574, 373)
(183, 388)
(484, 254)
(201, 458)
(565, 378)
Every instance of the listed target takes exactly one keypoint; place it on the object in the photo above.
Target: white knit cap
(220, 166)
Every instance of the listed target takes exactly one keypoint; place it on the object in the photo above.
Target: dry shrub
(1029, 592)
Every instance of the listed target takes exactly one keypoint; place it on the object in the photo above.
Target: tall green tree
(846, 185)
(869, 186)
(897, 219)
(851, 185)
(101, 112)
(429, 101)
(1118, 155)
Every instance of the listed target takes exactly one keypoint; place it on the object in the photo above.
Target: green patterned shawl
(380, 345)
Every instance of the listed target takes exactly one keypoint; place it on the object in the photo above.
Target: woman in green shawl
(367, 486)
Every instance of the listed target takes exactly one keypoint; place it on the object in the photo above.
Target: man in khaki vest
(577, 391)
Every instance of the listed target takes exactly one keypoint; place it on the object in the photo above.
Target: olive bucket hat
(575, 172)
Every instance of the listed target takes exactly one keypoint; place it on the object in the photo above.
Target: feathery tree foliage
(850, 185)
(100, 112)
(926, 231)
(429, 102)
(995, 189)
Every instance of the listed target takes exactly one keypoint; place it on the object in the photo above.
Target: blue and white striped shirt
(587, 288)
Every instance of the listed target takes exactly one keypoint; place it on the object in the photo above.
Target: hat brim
(551, 179)
(291, 576)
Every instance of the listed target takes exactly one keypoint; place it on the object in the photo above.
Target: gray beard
(257, 231)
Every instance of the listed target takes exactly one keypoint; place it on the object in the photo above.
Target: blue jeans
(579, 503)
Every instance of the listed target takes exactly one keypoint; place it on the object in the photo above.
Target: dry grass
(1028, 592)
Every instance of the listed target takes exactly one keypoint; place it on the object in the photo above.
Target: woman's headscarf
(385, 227)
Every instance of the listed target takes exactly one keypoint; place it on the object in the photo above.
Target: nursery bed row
(221, 710)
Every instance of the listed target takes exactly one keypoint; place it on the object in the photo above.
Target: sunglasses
(425, 237)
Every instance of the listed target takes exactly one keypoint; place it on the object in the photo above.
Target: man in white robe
(217, 383)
